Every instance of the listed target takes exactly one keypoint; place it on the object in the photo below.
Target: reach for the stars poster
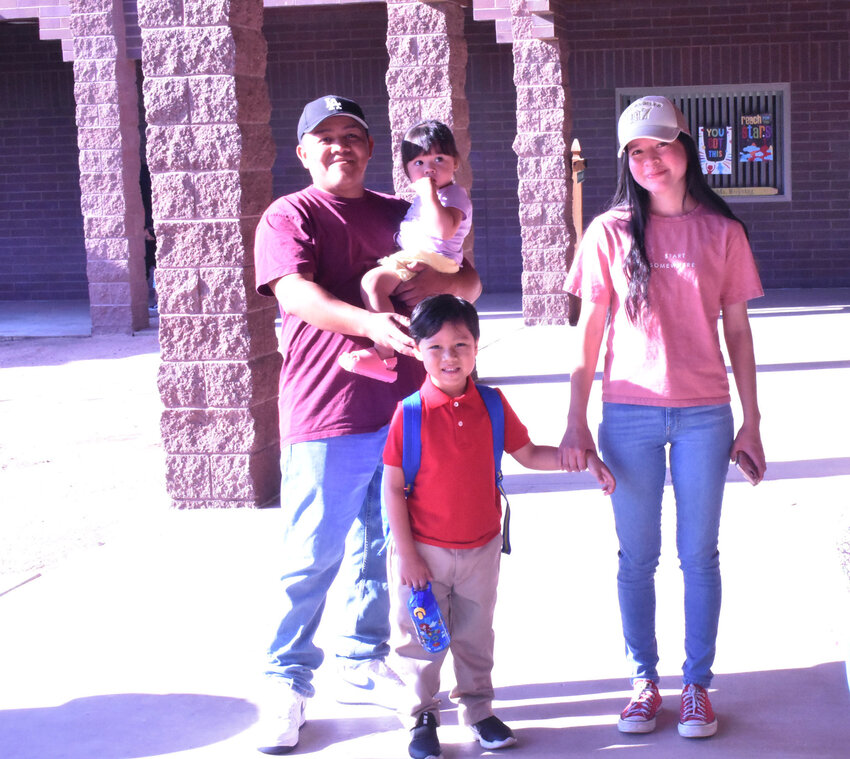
(755, 138)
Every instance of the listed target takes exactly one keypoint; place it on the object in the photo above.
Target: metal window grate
(723, 107)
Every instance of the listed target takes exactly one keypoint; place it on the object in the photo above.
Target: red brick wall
(802, 243)
(41, 229)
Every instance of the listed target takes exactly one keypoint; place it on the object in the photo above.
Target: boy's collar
(436, 397)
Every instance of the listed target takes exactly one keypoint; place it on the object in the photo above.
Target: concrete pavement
(146, 640)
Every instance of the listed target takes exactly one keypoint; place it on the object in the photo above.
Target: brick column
(544, 165)
(108, 138)
(210, 153)
(426, 78)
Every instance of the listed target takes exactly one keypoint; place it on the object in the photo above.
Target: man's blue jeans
(331, 501)
(633, 441)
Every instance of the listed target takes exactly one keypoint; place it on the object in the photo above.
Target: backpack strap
(411, 454)
(411, 451)
(496, 410)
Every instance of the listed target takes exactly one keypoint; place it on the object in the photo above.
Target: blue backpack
(411, 454)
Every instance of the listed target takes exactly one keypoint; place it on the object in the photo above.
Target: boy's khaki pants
(464, 584)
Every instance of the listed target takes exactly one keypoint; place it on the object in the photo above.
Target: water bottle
(427, 620)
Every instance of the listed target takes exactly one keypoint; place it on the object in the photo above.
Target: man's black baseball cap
(322, 108)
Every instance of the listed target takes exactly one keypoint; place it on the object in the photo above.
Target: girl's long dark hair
(636, 200)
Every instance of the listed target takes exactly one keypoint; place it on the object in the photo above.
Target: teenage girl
(431, 234)
(659, 268)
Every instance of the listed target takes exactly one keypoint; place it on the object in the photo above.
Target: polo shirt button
(456, 404)
(460, 424)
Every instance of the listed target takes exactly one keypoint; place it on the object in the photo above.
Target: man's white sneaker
(282, 718)
(369, 681)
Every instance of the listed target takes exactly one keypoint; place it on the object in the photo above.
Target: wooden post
(578, 166)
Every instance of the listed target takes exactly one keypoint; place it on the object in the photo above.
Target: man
(312, 248)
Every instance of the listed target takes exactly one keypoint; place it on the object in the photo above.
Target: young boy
(448, 531)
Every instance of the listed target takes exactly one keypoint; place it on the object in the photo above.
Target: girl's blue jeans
(331, 502)
(633, 441)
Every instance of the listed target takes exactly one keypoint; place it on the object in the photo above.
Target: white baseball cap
(652, 116)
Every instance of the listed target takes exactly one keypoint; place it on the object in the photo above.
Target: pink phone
(747, 468)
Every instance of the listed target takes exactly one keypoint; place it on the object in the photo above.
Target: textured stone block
(540, 143)
(116, 249)
(207, 430)
(160, 13)
(99, 139)
(93, 93)
(222, 12)
(251, 52)
(101, 181)
(188, 338)
(102, 205)
(216, 147)
(95, 47)
(252, 94)
(254, 478)
(170, 148)
(166, 100)
(258, 149)
(231, 384)
(416, 82)
(208, 50)
(173, 195)
(197, 243)
(213, 99)
(108, 271)
(218, 194)
(533, 52)
(534, 73)
(163, 52)
(536, 97)
(414, 18)
(222, 291)
(92, 24)
(95, 70)
(178, 291)
(104, 226)
(188, 477)
(89, 6)
(256, 192)
(182, 384)
(108, 319)
(110, 293)
(547, 190)
(544, 237)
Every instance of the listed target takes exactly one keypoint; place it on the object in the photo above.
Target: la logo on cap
(332, 104)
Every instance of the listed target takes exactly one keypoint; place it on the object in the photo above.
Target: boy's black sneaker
(493, 733)
(424, 743)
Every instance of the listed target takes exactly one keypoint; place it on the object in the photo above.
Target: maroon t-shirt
(336, 240)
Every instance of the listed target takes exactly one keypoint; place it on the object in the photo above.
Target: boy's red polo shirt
(455, 503)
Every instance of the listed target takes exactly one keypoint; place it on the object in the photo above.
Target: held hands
(575, 444)
(601, 472)
(578, 453)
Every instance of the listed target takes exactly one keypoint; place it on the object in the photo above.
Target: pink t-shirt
(336, 240)
(700, 261)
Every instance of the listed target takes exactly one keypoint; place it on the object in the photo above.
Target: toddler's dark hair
(424, 137)
(434, 312)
